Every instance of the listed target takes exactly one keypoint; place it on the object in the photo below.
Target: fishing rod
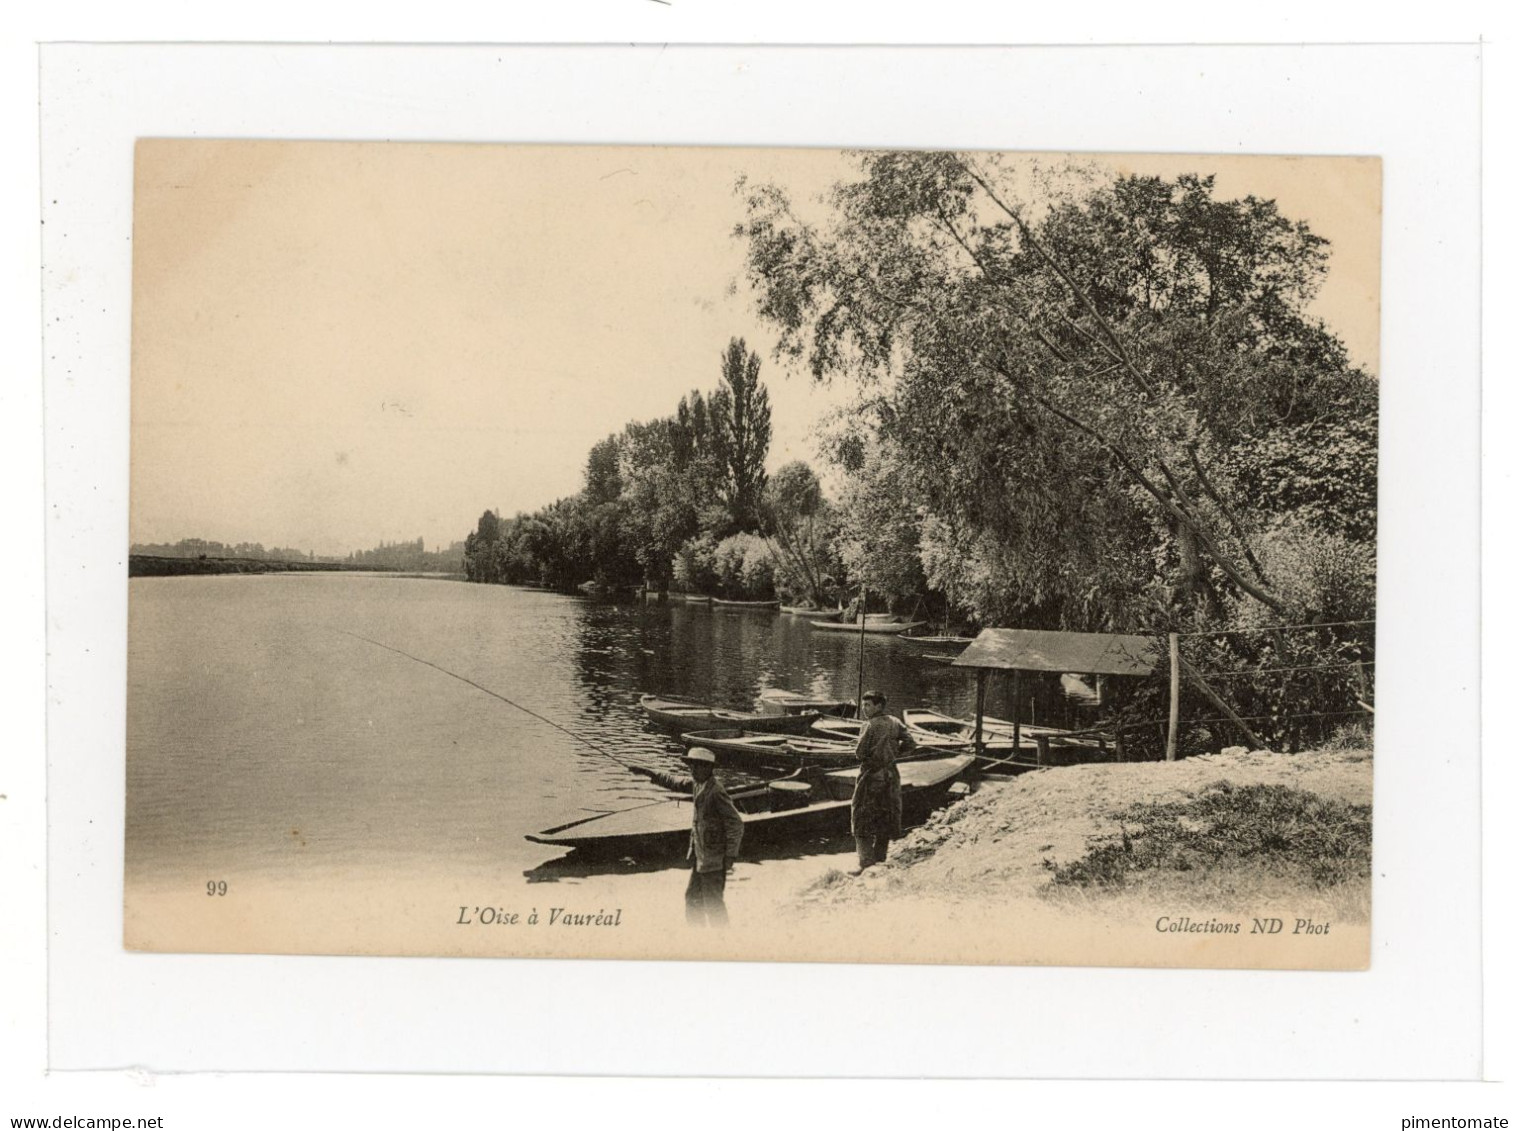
(657, 776)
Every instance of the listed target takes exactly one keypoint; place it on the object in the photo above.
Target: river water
(273, 732)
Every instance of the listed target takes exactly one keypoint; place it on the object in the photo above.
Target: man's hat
(701, 754)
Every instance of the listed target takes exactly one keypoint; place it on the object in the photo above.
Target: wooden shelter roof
(1035, 650)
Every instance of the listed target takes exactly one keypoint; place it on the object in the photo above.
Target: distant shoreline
(151, 565)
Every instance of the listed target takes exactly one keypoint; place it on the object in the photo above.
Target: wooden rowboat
(1002, 751)
(847, 730)
(938, 643)
(782, 810)
(779, 701)
(921, 718)
(792, 752)
(741, 747)
(883, 628)
(683, 715)
(720, 603)
(806, 611)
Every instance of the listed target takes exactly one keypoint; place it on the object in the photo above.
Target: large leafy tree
(798, 522)
(1061, 377)
(668, 475)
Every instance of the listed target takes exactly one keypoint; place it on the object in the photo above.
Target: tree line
(680, 502)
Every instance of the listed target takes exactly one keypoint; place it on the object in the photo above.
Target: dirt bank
(1073, 840)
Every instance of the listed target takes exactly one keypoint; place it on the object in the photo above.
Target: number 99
(216, 887)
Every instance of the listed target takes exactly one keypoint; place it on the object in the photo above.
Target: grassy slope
(1223, 832)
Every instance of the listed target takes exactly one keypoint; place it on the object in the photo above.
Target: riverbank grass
(1229, 847)
(1239, 832)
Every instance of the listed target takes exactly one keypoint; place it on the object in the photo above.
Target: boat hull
(954, 644)
(772, 751)
(682, 715)
(778, 701)
(1009, 749)
(869, 628)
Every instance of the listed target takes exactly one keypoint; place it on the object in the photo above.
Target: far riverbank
(151, 565)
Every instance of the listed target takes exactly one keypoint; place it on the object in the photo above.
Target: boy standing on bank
(715, 836)
(876, 813)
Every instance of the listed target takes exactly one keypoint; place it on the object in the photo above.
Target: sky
(337, 344)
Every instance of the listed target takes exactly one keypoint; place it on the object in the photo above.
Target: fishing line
(654, 775)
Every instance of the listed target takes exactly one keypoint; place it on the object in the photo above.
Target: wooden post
(1043, 748)
(859, 708)
(980, 713)
(1172, 736)
(1017, 733)
(1122, 747)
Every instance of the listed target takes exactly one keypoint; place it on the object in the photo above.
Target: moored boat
(779, 701)
(800, 805)
(847, 730)
(721, 603)
(741, 747)
(1008, 748)
(684, 714)
(938, 643)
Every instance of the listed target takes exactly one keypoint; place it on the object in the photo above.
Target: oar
(611, 813)
(661, 801)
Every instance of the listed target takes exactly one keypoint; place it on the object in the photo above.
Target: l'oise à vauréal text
(548, 917)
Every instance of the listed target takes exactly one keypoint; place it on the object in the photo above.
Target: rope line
(1277, 628)
(1263, 718)
(1302, 668)
(1162, 723)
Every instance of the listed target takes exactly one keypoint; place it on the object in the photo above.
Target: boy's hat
(701, 754)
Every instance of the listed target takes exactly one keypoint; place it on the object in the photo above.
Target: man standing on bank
(876, 818)
(716, 832)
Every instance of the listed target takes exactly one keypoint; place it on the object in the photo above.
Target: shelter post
(1172, 734)
(1017, 714)
(980, 713)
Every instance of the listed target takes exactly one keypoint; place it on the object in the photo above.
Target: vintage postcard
(787, 555)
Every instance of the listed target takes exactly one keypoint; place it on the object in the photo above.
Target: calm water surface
(265, 737)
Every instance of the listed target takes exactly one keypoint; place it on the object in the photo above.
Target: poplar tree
(739, 415)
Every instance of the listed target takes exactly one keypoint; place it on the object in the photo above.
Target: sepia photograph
(810, 555)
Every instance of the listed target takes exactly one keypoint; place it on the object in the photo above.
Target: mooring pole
(859, 701)
(1017, 714)
(1175, 697)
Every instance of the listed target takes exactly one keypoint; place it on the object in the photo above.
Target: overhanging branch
(1192, 523)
